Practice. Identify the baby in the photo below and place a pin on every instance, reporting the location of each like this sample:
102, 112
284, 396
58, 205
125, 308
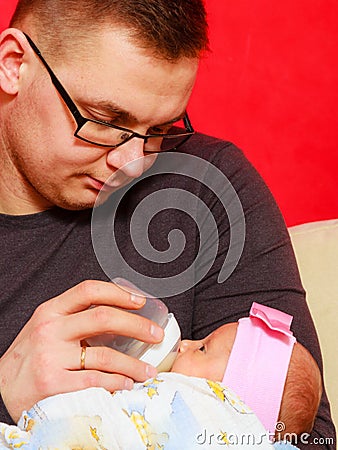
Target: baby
192, 407
248, 357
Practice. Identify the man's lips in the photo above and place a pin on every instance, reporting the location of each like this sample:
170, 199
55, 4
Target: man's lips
111, 185
98, 184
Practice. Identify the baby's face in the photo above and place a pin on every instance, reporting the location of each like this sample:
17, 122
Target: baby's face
208, 357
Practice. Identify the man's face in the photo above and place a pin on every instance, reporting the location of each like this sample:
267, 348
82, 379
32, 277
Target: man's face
208, 357
118, 83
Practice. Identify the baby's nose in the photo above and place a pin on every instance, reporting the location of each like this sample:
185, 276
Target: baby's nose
184, 345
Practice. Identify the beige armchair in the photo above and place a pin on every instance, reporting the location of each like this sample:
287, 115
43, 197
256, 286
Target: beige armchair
316, 248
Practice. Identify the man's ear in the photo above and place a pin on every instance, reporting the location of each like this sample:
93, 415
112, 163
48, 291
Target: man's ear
13, 47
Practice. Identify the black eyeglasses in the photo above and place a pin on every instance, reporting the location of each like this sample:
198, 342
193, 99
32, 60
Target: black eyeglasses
105, 134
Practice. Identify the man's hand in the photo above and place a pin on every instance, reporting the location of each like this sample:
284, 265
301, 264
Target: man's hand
45, 358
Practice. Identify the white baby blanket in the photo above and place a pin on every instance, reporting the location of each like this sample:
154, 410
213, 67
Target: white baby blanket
169, 412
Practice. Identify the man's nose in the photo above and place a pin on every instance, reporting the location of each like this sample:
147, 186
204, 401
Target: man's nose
129, 158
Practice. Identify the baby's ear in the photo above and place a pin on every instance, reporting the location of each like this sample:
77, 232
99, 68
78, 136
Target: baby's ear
13, 48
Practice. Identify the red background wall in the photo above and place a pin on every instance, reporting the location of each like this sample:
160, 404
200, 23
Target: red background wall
270, 86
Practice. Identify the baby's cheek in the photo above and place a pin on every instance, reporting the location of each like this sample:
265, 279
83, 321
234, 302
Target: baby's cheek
215, 369
184, 365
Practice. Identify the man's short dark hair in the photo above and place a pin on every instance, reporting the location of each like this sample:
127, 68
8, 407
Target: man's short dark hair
169, 29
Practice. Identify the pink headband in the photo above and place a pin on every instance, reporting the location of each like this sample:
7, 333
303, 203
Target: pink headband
259, 361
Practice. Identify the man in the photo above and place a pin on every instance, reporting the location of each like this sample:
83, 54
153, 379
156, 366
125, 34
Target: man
88, 90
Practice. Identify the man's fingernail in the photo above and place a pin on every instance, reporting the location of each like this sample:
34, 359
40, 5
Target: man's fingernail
128, 384
151, 371
137, 299
156, 332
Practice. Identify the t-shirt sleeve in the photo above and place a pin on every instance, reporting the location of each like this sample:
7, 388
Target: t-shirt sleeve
266, 271
4, 415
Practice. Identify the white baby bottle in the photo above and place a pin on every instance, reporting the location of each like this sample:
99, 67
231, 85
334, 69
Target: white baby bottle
160, 355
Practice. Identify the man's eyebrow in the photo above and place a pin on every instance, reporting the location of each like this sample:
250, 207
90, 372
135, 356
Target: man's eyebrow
125, 115
112, 108
176, 119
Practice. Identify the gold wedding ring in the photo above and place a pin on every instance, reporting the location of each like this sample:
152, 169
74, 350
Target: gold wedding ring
83, 357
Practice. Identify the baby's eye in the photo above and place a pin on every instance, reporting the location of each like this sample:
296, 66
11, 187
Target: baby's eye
202, 349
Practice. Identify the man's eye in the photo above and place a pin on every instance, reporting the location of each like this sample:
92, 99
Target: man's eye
202, 349
159, 130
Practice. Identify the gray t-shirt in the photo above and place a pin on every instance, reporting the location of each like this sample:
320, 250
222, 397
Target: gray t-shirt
44, 254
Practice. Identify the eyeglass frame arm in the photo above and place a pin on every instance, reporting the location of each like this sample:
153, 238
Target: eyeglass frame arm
81, 121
